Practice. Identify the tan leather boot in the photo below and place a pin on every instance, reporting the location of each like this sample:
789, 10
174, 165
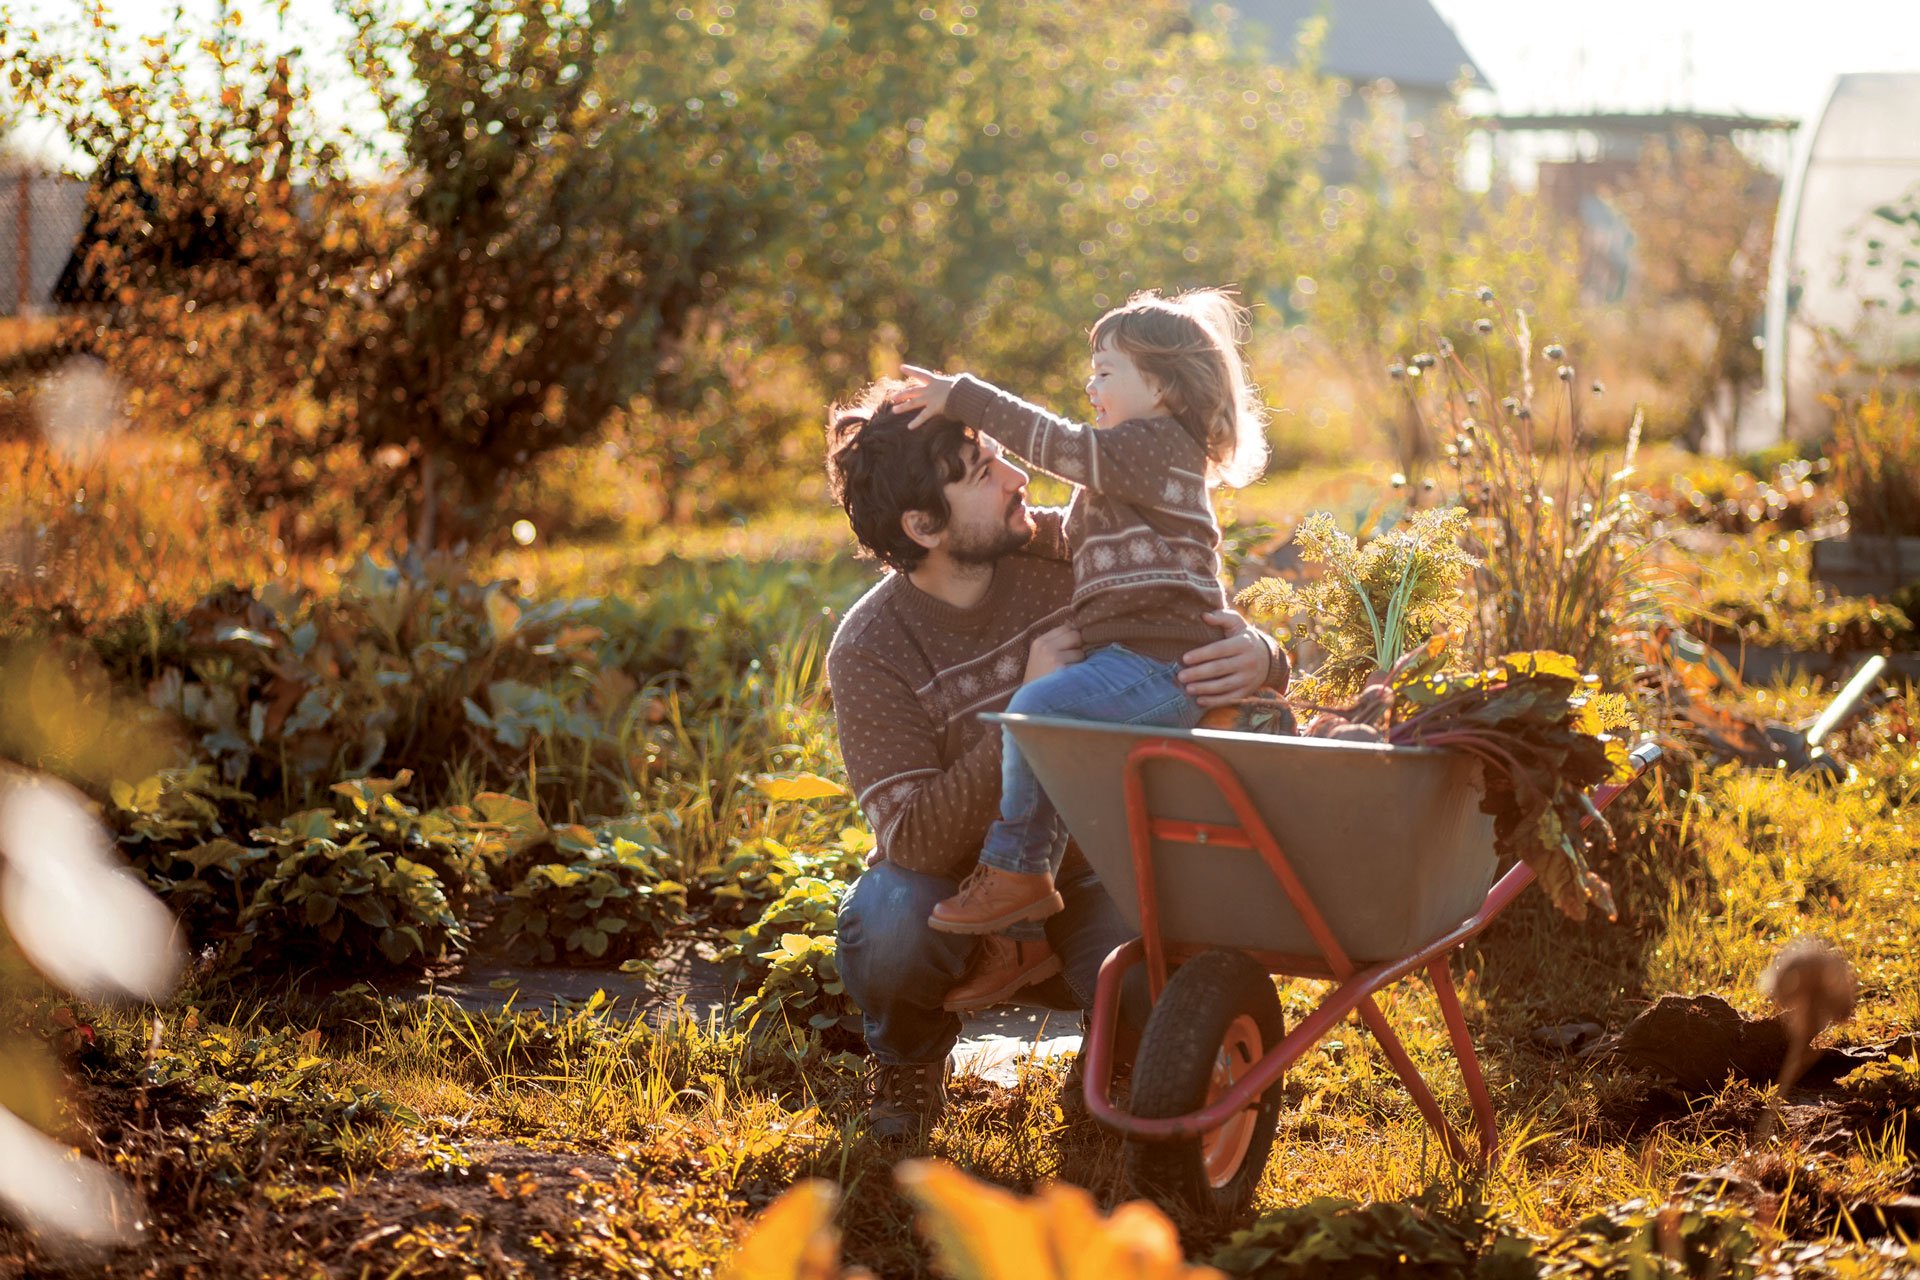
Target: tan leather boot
1000, 968
991, 899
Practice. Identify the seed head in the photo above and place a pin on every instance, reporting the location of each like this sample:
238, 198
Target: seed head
1599, 387
1485, 294
1423, 361
1566, 373
1483, 325
1396, 371
1554, 351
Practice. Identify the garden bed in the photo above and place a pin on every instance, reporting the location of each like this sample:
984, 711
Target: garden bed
1860, 565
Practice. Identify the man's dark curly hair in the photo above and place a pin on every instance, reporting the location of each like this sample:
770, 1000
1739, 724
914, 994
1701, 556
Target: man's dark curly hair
879, 470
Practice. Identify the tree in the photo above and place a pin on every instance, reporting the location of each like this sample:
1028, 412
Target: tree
1399, 258
986, 187
200, 275
601, 207
579, 188
1702, 219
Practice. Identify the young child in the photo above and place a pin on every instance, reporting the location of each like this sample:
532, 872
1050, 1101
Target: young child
1175, 413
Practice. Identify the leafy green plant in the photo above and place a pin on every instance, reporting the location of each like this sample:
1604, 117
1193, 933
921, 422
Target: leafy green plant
1895, 249
756, 874
1342, 1240
1372, 602
609, 902
336, 898
788, 960
457, 850
803, 991
178, 829
175, 807
1542, 732
1692, 1237
283, 689
266, 1086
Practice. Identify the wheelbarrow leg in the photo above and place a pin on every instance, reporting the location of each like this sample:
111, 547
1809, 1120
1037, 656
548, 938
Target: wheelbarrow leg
1410, 1076
1476, 1082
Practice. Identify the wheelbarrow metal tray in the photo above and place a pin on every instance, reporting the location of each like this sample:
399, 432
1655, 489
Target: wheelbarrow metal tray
1389, 842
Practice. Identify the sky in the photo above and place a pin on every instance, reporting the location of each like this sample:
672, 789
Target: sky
1758, 57
1753, 57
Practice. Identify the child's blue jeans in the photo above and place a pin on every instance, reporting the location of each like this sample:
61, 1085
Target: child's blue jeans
1113, 685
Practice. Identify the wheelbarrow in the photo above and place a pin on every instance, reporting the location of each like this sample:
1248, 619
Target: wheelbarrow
1242, 856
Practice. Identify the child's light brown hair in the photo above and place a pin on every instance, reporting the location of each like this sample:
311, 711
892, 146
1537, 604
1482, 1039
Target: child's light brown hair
1188, 345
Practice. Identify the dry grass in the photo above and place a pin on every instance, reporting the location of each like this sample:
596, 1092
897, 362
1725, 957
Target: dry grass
428, 1142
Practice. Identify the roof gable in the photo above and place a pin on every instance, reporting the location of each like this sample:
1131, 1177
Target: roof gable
1405, 41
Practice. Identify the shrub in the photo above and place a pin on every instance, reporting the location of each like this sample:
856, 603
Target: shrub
1558, 534
760, 871
788, 959
457, 851
1691, 1236
609, 902
283, 690
1336, 1238
1876, 461
178, 829
335, 898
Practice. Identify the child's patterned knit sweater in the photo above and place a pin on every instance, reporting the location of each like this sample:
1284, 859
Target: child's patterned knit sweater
1146, 547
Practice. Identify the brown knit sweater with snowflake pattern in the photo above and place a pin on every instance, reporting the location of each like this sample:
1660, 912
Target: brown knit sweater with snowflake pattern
910, 676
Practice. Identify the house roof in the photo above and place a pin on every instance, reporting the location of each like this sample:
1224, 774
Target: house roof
1405, 41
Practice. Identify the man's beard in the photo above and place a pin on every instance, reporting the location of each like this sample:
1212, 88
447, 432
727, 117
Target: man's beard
987, 546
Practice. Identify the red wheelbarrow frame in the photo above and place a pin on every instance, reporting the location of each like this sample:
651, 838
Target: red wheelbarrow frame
1356, 986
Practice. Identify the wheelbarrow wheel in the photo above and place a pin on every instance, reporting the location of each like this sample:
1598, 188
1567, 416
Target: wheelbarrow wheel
1217, 1017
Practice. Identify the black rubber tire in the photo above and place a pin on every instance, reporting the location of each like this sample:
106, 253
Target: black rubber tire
1174, 1070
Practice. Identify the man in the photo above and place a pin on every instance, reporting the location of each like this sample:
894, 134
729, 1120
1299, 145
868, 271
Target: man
975, 606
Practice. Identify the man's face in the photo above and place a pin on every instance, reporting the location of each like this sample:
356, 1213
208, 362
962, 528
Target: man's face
988, 506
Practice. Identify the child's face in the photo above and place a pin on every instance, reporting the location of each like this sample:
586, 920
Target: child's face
1118, 390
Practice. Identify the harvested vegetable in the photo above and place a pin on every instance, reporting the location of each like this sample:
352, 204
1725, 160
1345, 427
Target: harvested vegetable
1545, 735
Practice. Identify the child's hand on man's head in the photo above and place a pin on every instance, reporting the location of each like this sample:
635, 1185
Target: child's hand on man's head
926, 391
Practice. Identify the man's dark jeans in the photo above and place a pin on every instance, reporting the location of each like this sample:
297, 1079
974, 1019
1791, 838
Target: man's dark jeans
897, 970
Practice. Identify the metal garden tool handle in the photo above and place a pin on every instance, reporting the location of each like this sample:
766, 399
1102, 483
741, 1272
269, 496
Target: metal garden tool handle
1848, 698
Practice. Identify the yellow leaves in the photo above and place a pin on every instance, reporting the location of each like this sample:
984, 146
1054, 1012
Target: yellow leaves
793, 1238
1605, 713
982, 1232
508, 811
797, 786
522, 1187
503, 615
978, 1232
1542, 662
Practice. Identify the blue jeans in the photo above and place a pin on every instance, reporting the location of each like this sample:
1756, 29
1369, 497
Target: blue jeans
897, 970
1113, 685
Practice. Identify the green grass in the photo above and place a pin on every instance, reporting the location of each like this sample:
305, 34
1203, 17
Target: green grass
422, 1100
299, 1134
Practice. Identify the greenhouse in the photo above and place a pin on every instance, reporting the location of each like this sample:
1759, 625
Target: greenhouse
1843, 287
